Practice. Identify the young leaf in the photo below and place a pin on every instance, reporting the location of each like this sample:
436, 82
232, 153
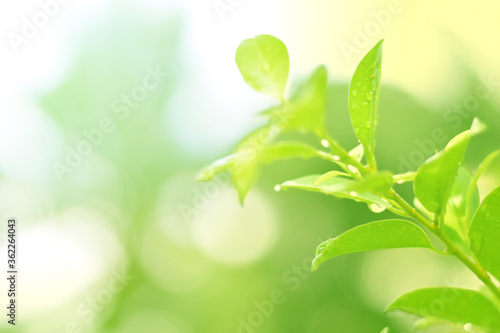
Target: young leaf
386, 234
287, 150
328, 175
378, 183
338, 187
357, 153
455, 217
245, 163
435, 178
363, 100
453, 304
305, 110
264, 64
472, 193
254, 151
484, 233
385, 330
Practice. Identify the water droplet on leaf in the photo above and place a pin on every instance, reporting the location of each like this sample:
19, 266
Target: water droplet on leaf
352, 168
325, 143
377, 208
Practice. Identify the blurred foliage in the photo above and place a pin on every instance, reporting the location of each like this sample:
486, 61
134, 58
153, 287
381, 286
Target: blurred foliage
130, 168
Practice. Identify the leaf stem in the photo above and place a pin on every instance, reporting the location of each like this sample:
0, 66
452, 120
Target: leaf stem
451, 248
344, 156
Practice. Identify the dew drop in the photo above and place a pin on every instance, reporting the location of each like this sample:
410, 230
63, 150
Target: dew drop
354, 92
353, 194
377, 208
325, 143
369, 96
336, 158
277, 188
468, 327
374, 64
352, 168
358, 83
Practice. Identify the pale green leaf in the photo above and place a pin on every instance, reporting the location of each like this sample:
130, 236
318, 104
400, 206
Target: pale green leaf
304, 112
264, 64
287, 150
363, 100
378, 183
484, 233
452, 304
386, 234
385, 330
357, 153
328, 175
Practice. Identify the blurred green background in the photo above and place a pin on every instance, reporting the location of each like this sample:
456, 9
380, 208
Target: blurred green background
111, 108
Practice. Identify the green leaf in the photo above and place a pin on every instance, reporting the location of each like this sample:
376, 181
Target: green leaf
456, 224
385, 330
435, 178
472, 192
453, 304
330, 174
305, 111
245, 163
256, 150
378, 183
484, 233
264, 64
287, 150
363, 100
386, 234
338, 187
357, 153
209, 172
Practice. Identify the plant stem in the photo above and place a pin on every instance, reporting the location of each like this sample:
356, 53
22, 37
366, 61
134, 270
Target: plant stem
451, 248
344, 156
